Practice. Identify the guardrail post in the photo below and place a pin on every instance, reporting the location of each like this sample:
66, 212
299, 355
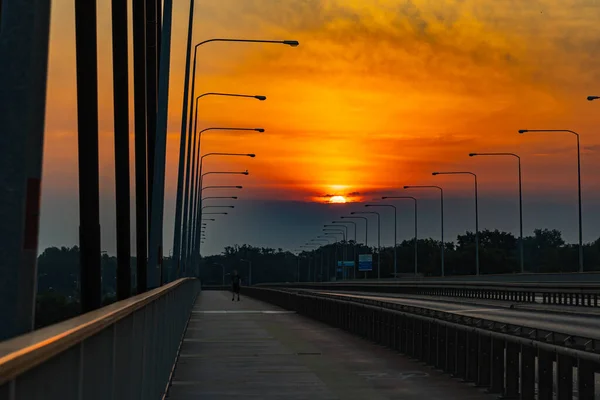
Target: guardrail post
450, 366
564, 383
472, 356
545, 374
527, 373
410, 336
403, 334
418, 342
586, 379
497, 366
461, 354
512, 370
485, 360
432, 351
441, 347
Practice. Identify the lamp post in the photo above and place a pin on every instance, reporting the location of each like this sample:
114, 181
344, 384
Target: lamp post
415, 200
191, 189
353, 246
321, 250
185, 162
344, 245
311, 247
335, 244
366, 227
378, 238
476, 212
221, 187
186, 95
521, 256
395, 232
521, 131
441, 213
196, 214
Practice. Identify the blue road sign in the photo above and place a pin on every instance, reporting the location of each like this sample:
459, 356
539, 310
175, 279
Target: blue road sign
345, 264
365, 262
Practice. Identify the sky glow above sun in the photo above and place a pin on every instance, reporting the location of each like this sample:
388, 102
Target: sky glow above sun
378, 94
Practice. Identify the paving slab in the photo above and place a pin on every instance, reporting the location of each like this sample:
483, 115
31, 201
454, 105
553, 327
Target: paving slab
254, 350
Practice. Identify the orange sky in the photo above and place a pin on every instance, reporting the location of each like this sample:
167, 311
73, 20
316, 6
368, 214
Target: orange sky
379, 94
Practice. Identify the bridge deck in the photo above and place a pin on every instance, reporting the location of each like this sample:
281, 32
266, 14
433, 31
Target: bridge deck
250, 349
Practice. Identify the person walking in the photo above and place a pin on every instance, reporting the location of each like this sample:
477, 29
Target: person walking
236, 281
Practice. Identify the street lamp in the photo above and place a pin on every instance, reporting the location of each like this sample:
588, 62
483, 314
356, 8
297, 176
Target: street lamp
441, 214
190, 194
221, 187
521, 131
520, 201
187, 162
476, 212
395, 232
220, 197
366, 227
415, 200
378, 238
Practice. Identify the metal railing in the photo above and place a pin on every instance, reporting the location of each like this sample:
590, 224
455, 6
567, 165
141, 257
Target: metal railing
574, 294
126, 350
514, 366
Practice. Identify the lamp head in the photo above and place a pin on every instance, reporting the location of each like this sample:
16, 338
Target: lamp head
591, 98
251, 155
224, 213
384, 197
522, 131
239, 187
367, 205
261, 98
473, 154
234, 197
230, 206
435, 173
352, 213
292, 43
261, 130
406, 187
245, 172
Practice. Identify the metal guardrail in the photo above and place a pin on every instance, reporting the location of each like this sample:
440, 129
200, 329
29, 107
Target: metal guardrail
507, 364
574, 294
126, 350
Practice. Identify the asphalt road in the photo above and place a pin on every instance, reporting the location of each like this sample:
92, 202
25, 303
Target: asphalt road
587, 326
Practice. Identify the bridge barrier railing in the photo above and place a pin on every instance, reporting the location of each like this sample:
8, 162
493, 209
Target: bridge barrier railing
126, 350
575, 294
510, 364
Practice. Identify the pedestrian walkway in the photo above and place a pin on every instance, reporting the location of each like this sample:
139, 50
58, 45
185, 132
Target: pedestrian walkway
253, 350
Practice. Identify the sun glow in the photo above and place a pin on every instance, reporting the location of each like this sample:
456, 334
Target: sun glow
337, 199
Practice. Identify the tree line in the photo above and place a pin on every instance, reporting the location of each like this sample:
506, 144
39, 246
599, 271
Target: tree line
544, 251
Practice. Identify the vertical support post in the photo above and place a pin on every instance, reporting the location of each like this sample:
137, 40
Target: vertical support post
87, 141
527, 373
450, 350
512, 370
121, 122
545, 374
484, 362
24, 37
461, 354
586, 379
151, 94
158, 192
564, 384
472, 357
497, 366
139, 94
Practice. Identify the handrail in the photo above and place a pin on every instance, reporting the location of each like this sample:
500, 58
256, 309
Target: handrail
28, 351
449, 284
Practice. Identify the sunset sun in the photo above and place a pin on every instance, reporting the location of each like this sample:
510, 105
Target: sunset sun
337, 199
